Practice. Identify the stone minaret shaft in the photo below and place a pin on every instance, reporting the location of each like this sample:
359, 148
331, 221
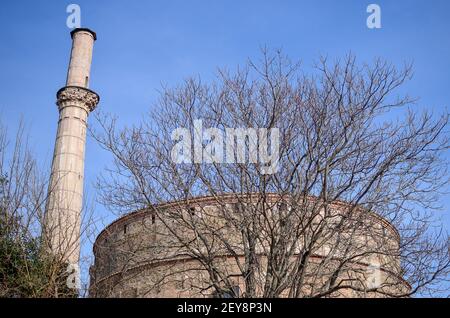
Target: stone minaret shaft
75, 101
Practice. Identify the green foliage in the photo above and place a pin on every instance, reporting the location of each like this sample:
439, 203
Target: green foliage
25, 269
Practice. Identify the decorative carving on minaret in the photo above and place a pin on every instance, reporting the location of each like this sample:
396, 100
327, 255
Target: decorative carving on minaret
70, 94
75, 101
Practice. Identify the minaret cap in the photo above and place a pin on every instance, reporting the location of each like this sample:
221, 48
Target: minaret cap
85, 30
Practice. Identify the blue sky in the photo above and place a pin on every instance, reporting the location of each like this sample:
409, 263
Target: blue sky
143, 44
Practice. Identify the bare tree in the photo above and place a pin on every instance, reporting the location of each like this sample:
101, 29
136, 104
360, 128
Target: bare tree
353, 186
27, 268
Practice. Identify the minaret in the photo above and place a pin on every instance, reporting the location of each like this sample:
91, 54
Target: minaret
75, 101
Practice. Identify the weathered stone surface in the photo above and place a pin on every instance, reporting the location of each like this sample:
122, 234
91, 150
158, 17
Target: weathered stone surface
75, 102
136, 256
